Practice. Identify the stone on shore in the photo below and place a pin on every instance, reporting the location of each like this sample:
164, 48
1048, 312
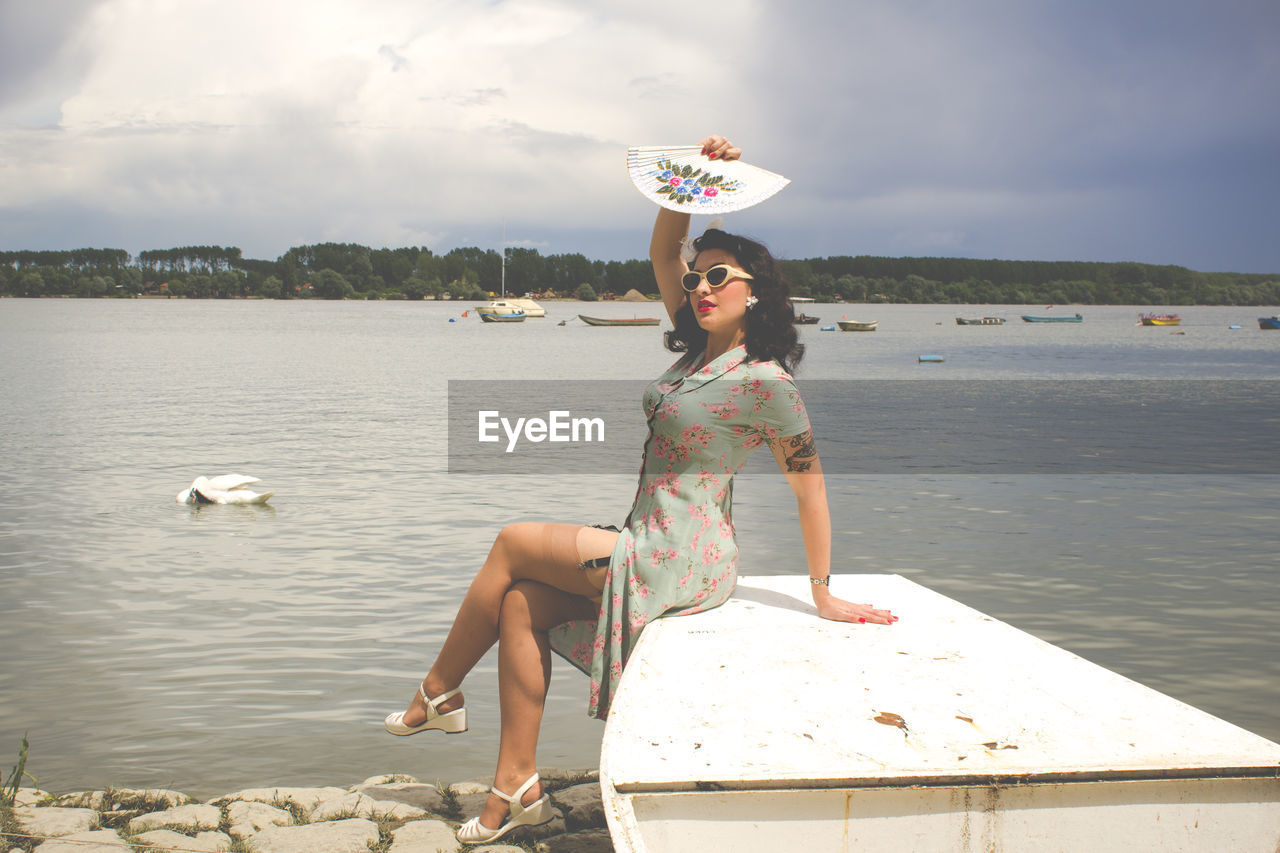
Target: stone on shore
53, 821
353, 835
247, 817
583, 806
343, 820
304, 798
424, 836
471, 786
385, 779
99, 841
192, 816
558, 776
154, 797
359, 805
204, 842
30, 797
417, 794
583, 841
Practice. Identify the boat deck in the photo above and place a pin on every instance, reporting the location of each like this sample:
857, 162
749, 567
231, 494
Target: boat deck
757, 726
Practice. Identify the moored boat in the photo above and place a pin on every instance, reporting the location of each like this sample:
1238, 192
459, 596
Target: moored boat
1269, 322
945, 728
803, 319
527, 307
1032, 318
625, 321
501, 315
1159, 319
979, 321
857, 325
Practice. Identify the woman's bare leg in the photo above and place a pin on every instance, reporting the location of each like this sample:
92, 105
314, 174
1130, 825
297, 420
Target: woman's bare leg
546, 553
529, 610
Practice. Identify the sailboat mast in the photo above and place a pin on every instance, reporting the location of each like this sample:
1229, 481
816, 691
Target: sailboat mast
504, 259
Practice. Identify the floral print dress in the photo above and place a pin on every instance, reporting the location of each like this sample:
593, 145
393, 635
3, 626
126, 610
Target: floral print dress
676, 553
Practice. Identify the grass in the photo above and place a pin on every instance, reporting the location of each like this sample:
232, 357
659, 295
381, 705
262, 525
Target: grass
452, 808
9, 793
119, 807
8, 825
301, 817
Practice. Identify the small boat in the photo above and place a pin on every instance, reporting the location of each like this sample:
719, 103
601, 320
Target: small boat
1269, 322
857, 326
1159, 319
803, 319
979, 321
630, 321
504, 310
1032, 318
930, 359
504, 315
507, 305
950, 730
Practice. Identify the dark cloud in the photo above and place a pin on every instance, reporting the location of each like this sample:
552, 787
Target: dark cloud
1155, 111
37, 62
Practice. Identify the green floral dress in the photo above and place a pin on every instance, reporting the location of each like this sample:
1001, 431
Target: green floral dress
676, 553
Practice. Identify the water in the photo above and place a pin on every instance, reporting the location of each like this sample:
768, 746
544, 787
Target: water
150, 643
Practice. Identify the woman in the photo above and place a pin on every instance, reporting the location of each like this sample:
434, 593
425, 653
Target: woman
587, 592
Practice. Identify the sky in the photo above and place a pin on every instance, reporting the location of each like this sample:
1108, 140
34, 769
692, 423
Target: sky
1094, 130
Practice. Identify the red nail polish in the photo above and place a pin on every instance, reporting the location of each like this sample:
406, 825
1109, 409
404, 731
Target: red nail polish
861, 619
714, 156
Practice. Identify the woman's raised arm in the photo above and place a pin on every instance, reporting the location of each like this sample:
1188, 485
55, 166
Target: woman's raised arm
670, 230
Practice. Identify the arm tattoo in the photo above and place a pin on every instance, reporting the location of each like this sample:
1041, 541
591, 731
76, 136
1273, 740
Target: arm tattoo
800, 452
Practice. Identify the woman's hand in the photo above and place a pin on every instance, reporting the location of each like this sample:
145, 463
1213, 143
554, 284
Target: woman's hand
719, 148
839, 610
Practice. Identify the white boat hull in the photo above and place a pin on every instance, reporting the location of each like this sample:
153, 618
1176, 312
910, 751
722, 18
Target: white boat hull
757, 726
512, 306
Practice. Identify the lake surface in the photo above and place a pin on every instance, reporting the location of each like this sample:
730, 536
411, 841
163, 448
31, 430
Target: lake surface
151, 643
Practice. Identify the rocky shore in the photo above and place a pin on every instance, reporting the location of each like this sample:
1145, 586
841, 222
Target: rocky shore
384, 814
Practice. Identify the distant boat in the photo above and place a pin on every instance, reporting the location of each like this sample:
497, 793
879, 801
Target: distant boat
1031, 318
857, 326
632, 321
502, 309
930, 359
803, 319
1159, 319
501, 315
979, 321
508, 305
512, 306
826, 328
1269, 322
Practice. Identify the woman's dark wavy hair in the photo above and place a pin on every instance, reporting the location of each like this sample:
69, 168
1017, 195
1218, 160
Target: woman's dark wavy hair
771, 331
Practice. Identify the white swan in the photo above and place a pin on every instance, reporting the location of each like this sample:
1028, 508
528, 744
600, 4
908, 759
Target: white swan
227, 489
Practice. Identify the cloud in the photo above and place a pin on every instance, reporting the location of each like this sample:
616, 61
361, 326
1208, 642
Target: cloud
1000, 129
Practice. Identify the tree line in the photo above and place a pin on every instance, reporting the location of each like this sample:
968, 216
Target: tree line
353, 271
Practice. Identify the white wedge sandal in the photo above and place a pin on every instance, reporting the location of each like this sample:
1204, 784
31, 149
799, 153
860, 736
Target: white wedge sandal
451, 722
534, 814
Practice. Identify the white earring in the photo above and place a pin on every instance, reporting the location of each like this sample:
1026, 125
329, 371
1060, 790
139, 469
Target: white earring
751, 301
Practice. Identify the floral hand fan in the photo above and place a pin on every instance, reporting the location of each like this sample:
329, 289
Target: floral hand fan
682, 178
